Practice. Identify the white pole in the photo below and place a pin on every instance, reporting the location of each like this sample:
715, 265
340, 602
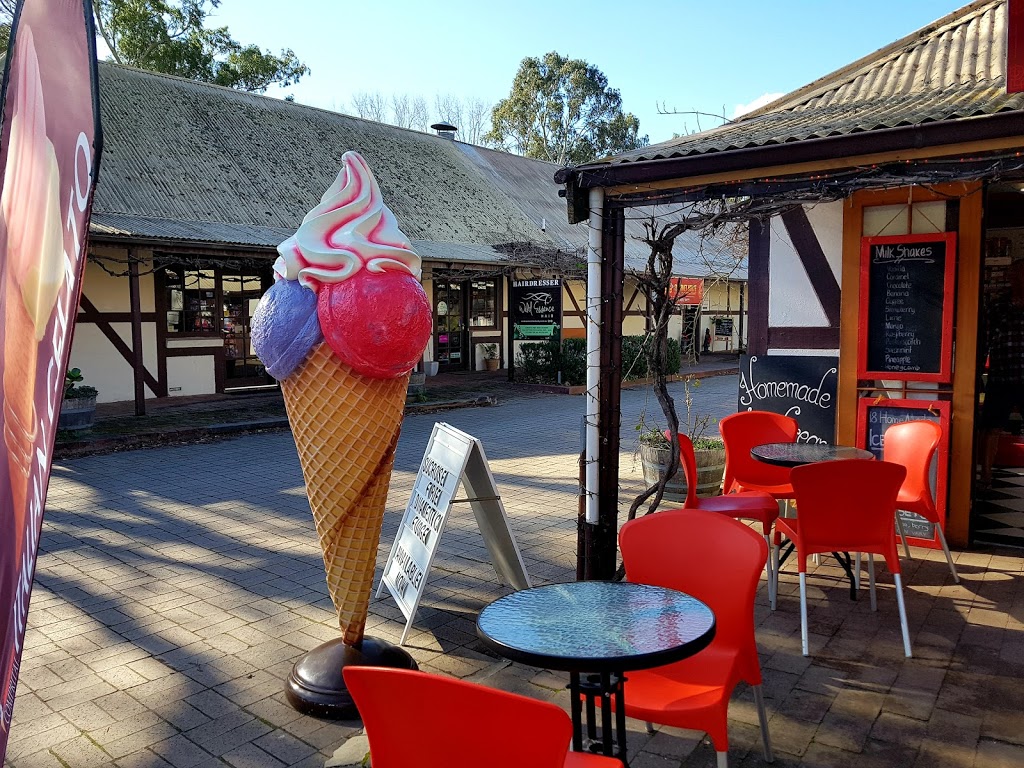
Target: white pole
593, 347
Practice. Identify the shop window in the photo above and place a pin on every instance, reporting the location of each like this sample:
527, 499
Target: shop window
483, 304
191, 301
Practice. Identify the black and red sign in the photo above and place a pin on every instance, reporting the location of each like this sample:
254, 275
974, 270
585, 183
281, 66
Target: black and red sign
906, 307
49, 158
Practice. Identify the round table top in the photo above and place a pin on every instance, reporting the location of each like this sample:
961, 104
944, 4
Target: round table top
797, 454
596, 626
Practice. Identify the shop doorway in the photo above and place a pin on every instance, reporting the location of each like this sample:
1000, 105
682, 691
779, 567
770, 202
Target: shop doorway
450, 332
998, 510
240, 293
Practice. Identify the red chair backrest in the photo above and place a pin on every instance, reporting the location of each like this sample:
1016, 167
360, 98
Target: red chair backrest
710, 556
741, 432
913, 444
453, 723
849, 506
688, 463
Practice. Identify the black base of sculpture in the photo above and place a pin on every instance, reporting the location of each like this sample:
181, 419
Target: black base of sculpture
316, 686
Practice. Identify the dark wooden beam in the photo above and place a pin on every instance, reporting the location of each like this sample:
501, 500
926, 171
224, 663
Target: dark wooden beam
601, 545
823, 281
757, 280
112, 336
138, 365
803, 337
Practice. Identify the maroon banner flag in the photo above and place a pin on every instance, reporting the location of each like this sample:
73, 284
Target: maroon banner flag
49, 158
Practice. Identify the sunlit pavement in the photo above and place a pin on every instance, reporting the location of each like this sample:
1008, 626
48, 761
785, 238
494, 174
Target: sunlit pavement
177, 586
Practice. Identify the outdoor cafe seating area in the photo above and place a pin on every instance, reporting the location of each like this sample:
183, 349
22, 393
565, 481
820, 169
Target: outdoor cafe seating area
670, 643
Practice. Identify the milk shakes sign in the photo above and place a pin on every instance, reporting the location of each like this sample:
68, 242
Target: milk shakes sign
49, 155
536, 309
803, 388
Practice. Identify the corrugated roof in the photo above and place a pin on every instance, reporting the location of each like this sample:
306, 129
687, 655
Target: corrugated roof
189, 162
952, 69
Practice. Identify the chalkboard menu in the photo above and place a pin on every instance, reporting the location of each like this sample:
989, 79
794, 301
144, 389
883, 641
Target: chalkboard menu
802, 387
906, 319
536, 309
723, 326
874, 417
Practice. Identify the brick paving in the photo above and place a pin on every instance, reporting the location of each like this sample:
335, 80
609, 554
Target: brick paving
176, 587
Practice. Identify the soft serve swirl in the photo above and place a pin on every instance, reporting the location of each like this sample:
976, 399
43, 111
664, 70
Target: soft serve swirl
351, 229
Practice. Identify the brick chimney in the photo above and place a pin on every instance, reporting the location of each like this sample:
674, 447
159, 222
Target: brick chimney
1015, 46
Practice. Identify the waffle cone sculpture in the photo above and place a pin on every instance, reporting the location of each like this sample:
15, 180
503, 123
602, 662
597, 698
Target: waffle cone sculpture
341, 328
346, 462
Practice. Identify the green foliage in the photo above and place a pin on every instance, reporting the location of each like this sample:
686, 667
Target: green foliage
675, 356
72, 388
562, 110
537, 362
574, 362
170, 36
490, 351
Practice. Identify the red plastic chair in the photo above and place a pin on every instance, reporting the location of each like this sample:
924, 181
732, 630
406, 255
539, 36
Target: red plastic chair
846, 506
468, 725
741, 432
744, 505
913, 444
717, 560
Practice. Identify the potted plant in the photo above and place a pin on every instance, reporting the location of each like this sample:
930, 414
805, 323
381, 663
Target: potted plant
78, 408
655, 451
490, 356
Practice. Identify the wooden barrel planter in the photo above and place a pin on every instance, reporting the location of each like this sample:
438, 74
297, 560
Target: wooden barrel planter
77, 413
710, 469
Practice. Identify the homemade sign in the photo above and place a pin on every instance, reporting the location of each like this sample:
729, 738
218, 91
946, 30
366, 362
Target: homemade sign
451, 456
536, 309
723, 326
874, 417
802, 387
50, 155
906, 307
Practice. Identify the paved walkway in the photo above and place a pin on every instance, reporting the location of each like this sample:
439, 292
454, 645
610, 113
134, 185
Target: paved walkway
176, 586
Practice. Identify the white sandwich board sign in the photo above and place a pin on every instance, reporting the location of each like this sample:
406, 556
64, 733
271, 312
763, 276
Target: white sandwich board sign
452, 456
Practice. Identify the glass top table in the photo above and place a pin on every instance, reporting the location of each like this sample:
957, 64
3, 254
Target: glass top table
606, 628
798, 454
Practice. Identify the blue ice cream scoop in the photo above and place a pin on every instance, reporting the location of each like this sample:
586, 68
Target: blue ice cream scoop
285, 327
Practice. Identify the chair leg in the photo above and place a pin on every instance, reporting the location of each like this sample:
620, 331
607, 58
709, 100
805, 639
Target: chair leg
775, 574
768, 563
762, 716
871, 581
650, 727
949, 557
856, 573
903, 535
803, 614
723, 759
904, 627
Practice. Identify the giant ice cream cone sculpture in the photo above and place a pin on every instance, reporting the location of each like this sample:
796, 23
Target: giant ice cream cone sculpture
343, 325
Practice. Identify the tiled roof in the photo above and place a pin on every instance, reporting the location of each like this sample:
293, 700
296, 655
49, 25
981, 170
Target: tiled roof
952, 69
188, 162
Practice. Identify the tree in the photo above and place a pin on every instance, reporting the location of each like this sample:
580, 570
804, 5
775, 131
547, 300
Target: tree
563, 111
170, 36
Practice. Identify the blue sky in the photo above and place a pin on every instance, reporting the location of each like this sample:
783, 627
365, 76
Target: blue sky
708, 56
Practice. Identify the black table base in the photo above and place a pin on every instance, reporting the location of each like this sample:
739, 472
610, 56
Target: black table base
844, 559
603, 686
316, 685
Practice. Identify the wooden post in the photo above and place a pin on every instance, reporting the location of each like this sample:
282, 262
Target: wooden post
602, 539
136, 305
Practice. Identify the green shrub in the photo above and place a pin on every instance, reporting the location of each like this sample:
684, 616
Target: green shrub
574, 362
537, 362
634, 360
675, 356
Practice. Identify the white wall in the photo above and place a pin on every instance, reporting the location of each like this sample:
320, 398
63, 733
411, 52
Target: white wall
791, 298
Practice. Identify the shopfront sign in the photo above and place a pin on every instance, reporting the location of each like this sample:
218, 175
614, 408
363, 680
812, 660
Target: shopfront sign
536, 307
906, 307
49, 157
452, 458
802, 387
686, 290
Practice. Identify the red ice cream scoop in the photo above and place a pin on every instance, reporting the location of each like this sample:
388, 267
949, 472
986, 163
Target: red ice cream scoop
376, 322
